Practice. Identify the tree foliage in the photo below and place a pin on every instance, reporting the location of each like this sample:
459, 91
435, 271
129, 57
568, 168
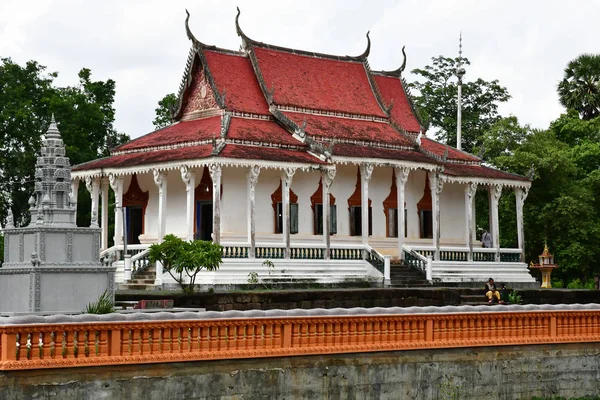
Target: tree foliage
579, 90
436, 100
563, 206
165, 111
28, 97
184, 260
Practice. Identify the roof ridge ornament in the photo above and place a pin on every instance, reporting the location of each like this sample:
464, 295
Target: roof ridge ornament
365, 53
188, 31
398, 72
245, 39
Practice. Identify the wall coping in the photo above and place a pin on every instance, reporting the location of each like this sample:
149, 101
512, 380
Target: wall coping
316, 312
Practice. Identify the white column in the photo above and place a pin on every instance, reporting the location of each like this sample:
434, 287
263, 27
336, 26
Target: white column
189, 179
253, 173
474, 220
93, 186
160, 180
327, 178
520, 196
215, 174
470, 190
437, 185
104, 212
495, 194
401, 178
286, 180
116, 184
366, 170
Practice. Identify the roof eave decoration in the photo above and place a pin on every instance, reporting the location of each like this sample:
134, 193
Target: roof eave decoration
365, 54
197, 50
397, 72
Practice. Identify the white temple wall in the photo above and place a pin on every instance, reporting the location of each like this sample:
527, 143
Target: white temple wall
304, 184
234, 210
379, 190
413, 192
342, 188
268, 181
452, 210
176, 205
234, 200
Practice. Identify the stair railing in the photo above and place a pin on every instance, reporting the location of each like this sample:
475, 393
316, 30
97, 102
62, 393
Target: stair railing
414, 259
140, 261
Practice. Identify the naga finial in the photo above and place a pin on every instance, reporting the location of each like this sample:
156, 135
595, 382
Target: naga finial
190, 35
404, 61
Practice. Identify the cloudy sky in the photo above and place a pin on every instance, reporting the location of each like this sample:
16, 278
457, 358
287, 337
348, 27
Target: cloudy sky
142, 44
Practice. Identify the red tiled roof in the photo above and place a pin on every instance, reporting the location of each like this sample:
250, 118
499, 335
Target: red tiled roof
480, 171
317, 83
235, 78
260, 131
150, 157
439, 149
352, 150
344, 128
267, 153
391, 90
187, 131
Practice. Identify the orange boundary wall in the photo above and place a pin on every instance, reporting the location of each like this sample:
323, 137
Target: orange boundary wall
36, 346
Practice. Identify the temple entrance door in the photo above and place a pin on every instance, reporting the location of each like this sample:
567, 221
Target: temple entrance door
134, 215
204, 220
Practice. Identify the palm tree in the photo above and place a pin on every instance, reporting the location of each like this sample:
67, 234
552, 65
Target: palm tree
580, 88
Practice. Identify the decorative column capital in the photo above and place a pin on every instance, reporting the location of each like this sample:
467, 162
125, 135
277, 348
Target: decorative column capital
186, 176
88, 183
215, 172
287, 175
328, 175
114, 181
522, 194
439, 185
471, 189
159, 178
253, 173
497, 191
366, 170
402, 174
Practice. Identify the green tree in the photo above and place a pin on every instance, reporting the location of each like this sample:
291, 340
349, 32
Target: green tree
580, 88
26, 93
165, 111
436, 100
184, 260
563, 206
28, 97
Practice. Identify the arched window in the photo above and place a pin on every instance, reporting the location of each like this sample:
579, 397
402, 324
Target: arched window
277, 200
390, 209
316, 201
425, 214
355, 208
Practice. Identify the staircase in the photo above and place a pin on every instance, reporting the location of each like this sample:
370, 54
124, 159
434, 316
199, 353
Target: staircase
142, 280
403, 275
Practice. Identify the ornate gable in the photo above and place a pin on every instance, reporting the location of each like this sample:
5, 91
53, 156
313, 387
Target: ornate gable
200, 96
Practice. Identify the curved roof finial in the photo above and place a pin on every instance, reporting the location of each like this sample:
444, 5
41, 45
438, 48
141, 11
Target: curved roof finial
190, 35
365, 54
404, 61
237, 25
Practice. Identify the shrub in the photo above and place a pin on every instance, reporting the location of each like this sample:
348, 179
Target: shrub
179, 257
104, 305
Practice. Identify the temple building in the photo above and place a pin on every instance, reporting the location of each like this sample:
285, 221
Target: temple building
314, 161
